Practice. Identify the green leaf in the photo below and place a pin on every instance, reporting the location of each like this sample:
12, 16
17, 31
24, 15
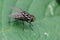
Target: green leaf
46, 25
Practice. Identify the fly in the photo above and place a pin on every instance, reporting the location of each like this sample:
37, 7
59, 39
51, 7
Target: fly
22, 15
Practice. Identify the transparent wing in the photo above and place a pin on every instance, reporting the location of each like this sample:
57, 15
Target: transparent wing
16, 8
16, 15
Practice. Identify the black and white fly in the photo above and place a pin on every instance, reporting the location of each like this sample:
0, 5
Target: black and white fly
22, 15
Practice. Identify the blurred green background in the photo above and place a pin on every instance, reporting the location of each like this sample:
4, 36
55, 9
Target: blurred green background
45, 27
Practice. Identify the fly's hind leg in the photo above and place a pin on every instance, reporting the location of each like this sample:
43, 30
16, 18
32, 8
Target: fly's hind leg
13, 21
23, 25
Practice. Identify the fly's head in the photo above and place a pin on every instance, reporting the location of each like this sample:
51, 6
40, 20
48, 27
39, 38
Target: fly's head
31, 18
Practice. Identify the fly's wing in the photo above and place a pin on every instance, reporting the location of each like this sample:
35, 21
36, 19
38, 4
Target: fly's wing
17, 16
17, 9
20, 13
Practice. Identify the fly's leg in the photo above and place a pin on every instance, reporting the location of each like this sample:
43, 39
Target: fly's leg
23, 25
30, 25
13, 21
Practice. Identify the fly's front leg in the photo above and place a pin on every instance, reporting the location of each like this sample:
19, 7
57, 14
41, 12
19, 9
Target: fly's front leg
30, 25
